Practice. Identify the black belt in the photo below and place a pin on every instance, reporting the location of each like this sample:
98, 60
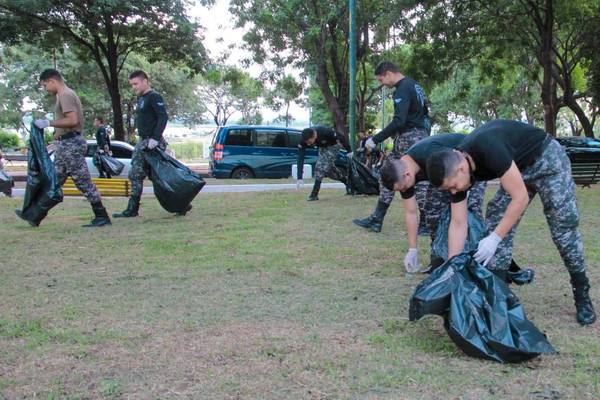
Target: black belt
68, 135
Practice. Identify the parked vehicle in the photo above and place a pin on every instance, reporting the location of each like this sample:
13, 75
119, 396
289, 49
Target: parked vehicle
247, 151
122, 151
584, 154
580, 148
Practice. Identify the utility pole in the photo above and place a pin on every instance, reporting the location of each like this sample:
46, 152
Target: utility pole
352, 68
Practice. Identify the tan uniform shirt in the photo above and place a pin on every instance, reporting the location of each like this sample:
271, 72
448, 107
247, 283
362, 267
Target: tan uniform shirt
68, 101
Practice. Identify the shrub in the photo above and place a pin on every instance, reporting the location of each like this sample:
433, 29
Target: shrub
8, 140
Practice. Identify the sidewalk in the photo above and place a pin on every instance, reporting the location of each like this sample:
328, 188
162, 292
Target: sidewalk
259, 187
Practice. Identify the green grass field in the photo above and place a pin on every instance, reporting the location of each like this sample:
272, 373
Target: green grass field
262, 296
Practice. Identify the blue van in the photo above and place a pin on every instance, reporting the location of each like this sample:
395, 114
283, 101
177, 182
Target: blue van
248, 151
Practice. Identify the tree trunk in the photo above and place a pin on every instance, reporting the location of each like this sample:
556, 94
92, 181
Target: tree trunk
549, 99
115, 100
339, 117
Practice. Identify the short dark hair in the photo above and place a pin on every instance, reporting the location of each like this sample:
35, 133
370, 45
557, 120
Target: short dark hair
389, 174
100, 119
138, 74
50, 73
441, 165
307, 134
384, 67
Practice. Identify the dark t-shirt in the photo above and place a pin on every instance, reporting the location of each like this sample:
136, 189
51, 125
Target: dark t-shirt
102, 139
496, 144
151, 118
421, 150
325, 137
410, 110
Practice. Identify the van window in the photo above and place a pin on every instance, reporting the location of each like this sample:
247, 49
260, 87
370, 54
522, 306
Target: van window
294, 139
239, 137
270, 138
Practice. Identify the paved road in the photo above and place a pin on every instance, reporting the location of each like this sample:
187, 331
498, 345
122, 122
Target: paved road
234, 188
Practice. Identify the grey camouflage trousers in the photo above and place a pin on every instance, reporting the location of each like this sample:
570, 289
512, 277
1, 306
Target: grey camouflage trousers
325, 166
550, 177
69, 160
438, 200
139, 168
401, 144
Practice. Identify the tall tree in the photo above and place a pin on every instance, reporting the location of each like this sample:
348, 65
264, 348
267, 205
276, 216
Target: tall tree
312, 36
550, 30
226, 90
286, 91
107, 32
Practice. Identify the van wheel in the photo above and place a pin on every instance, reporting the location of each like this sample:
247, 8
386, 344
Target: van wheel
242, 173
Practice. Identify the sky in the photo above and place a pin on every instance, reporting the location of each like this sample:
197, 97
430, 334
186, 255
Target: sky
219, 33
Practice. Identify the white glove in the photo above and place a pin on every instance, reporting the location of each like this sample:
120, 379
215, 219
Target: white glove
299, 184
487, 248
42, 123
101, 151
152, 143
411, 261
349, 154
370, 143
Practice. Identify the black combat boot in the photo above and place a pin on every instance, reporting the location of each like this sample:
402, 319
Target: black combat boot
100, 216
378, 216
101, 174
132, 209
314, 195
367, 222
583, 303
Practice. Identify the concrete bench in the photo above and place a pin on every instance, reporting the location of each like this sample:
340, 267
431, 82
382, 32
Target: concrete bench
108, 187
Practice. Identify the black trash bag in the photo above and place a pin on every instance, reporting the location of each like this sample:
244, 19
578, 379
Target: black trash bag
477, 231
432, 295
483, 316
6, 183
43, 190
360, 178
110, 164
175, 185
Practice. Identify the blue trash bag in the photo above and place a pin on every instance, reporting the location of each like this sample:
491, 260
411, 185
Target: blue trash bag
43, 190
482, 316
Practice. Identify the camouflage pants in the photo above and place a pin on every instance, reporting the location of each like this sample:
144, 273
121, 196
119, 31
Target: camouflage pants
550, 177
69, 160
438, 200
325, 166
138, 170
401, 144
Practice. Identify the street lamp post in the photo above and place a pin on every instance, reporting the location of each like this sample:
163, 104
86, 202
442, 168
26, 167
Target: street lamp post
352, 68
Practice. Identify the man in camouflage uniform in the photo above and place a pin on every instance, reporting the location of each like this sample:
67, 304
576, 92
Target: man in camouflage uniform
151, 120
528, 162
409, 125
102, 147
404, 174
69, 157
329, 143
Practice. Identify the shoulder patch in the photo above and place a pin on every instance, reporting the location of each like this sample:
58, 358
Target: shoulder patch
398, 100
